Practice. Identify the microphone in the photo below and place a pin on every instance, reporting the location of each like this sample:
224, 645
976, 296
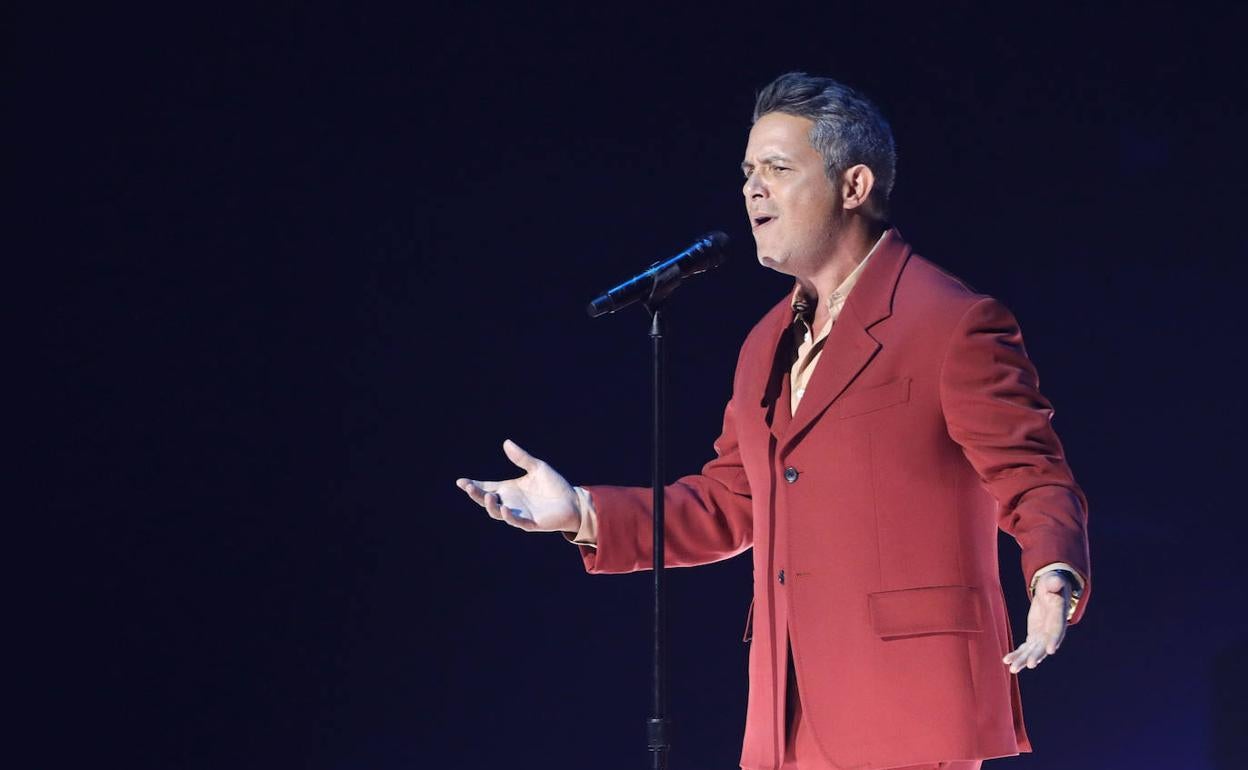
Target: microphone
662, 278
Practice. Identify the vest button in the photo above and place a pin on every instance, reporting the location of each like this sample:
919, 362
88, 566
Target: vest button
780, 577
790, 474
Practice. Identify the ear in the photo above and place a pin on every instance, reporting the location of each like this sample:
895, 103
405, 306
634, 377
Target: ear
856, 185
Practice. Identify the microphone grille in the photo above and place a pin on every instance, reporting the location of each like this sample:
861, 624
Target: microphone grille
713, 245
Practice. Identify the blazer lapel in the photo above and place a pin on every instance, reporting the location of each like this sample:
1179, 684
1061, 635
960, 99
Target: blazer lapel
767, 390
850, 346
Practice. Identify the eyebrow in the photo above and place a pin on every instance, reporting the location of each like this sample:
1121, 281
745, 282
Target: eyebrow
766, 160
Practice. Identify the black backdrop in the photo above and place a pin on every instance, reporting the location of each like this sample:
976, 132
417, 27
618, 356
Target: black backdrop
297, 267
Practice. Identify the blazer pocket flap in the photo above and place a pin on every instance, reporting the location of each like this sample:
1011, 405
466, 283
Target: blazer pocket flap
871, 399
928, 610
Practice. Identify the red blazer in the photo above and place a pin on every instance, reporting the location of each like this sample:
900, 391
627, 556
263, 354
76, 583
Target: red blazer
920, 433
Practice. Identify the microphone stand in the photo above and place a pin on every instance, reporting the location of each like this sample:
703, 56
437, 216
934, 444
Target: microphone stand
657, 283
657, 727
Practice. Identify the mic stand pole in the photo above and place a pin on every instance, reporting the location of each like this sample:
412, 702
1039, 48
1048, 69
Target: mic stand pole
663, 278
658, 725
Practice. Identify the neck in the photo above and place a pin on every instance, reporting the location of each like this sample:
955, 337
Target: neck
850, 249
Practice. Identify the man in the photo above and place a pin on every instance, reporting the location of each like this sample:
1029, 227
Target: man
885, 420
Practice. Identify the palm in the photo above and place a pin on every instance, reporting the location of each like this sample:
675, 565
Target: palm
539, 501
1047, 615
541, 495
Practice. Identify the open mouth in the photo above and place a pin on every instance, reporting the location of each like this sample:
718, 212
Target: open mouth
761, 220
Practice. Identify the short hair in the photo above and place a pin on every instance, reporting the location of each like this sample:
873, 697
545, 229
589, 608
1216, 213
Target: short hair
848, 128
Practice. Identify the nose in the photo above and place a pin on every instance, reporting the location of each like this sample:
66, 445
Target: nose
753, 187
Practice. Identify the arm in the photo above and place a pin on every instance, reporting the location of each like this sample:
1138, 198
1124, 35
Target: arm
708, 516
993, 408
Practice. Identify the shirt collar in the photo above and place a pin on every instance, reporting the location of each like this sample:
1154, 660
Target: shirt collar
801, 302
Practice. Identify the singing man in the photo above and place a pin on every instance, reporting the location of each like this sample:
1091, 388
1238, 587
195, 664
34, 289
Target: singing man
885, 421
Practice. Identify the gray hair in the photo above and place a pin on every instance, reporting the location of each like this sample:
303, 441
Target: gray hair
848, 128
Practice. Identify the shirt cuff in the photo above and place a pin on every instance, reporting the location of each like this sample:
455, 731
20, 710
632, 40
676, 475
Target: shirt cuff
587, 535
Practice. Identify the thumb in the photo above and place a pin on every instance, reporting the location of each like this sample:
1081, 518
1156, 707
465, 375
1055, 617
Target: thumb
521, 458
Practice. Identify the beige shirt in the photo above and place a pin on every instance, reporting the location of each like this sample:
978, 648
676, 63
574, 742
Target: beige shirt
809, 347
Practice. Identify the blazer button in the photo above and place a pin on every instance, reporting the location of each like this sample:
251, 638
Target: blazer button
780, 577
790, 474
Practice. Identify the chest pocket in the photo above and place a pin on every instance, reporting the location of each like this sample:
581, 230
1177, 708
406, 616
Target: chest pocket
874, 399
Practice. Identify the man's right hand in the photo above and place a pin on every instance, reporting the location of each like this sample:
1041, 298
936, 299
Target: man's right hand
539, 501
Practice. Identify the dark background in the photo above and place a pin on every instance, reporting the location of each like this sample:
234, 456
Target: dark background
298, 266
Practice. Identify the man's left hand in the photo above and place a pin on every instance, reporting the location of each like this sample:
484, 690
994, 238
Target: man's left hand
1046, 622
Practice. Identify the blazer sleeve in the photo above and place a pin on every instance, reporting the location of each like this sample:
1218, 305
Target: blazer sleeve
708, 515
993, 408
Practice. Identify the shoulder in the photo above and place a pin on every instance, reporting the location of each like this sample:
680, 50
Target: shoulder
934, 289
929, 294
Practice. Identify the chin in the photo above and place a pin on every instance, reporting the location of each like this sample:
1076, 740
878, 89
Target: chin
772, 263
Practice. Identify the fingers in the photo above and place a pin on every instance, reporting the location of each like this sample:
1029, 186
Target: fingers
484, 493
477, 490
521, 458
1031, 652
513, 516
516, 518
1028, 655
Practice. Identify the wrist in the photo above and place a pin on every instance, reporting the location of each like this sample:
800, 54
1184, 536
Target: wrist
586, 525
1071, 575
1073, 585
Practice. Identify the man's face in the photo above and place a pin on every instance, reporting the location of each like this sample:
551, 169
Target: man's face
794, 208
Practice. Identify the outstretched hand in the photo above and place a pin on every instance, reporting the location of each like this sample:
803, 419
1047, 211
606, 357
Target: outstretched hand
1046, 623
539, 501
